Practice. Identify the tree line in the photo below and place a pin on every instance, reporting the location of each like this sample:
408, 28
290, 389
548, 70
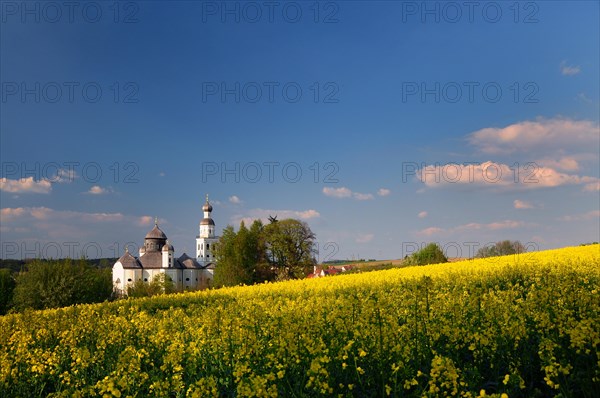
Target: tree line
433, 254
54, 283
279, 250
276, 251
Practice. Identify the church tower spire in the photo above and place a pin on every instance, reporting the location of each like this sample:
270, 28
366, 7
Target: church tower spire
207, 209
206, 237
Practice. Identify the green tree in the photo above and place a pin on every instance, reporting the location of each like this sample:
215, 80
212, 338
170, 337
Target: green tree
95, 285
280, 250
59, 283
138, 289
160, 284
290, 248
239, 255
502, 248
7, 287
263, 269
244, 255
226, 272
430, 254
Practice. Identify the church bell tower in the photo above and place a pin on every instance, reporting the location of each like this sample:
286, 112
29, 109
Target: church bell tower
206, 239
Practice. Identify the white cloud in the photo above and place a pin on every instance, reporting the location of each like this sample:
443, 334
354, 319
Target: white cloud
383, 192
162, 174
264, 214
423, 214
60, 224
342, 192
565, 163
430, 231
73, 232
583, 97
493, 226
541, 135
521, 204
45, 213
25, 185
307, 214
234, 199
364, 238
102, 217
569, 70
590, 215
65, 175
97, 190
40, 213
8, 214
143, 221
499, 175
506, 224
592, 187
362, 196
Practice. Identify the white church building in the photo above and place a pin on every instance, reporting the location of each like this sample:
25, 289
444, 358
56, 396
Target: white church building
157, 256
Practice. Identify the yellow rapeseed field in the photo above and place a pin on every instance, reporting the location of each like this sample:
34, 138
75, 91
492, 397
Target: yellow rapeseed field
523, 325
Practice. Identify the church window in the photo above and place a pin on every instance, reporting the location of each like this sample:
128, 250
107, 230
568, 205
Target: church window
129, 280
145, 279
187, 279
207, 246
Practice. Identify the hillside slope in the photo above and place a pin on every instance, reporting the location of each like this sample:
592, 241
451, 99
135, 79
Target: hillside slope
521, 325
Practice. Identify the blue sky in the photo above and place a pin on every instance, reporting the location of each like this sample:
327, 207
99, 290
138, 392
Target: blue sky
409, 122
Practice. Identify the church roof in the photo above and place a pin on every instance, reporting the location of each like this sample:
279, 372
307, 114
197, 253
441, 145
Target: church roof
156, 233
154, 260
188, 262
207, 206
207, 221
128, 261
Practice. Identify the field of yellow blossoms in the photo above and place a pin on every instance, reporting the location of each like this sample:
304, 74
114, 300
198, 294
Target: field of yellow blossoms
516, 326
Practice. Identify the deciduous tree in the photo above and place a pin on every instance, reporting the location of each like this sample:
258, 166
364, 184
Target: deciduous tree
290, 248
60, 283
430, 254
7, 287
501, 248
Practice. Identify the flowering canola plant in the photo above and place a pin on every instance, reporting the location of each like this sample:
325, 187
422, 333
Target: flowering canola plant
508, 326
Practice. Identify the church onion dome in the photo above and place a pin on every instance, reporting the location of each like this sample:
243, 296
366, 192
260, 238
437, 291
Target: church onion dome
207, 206
168, 247
207, 221
156, 233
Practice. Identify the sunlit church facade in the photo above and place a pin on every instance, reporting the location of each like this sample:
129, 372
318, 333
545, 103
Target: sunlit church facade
157, 256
